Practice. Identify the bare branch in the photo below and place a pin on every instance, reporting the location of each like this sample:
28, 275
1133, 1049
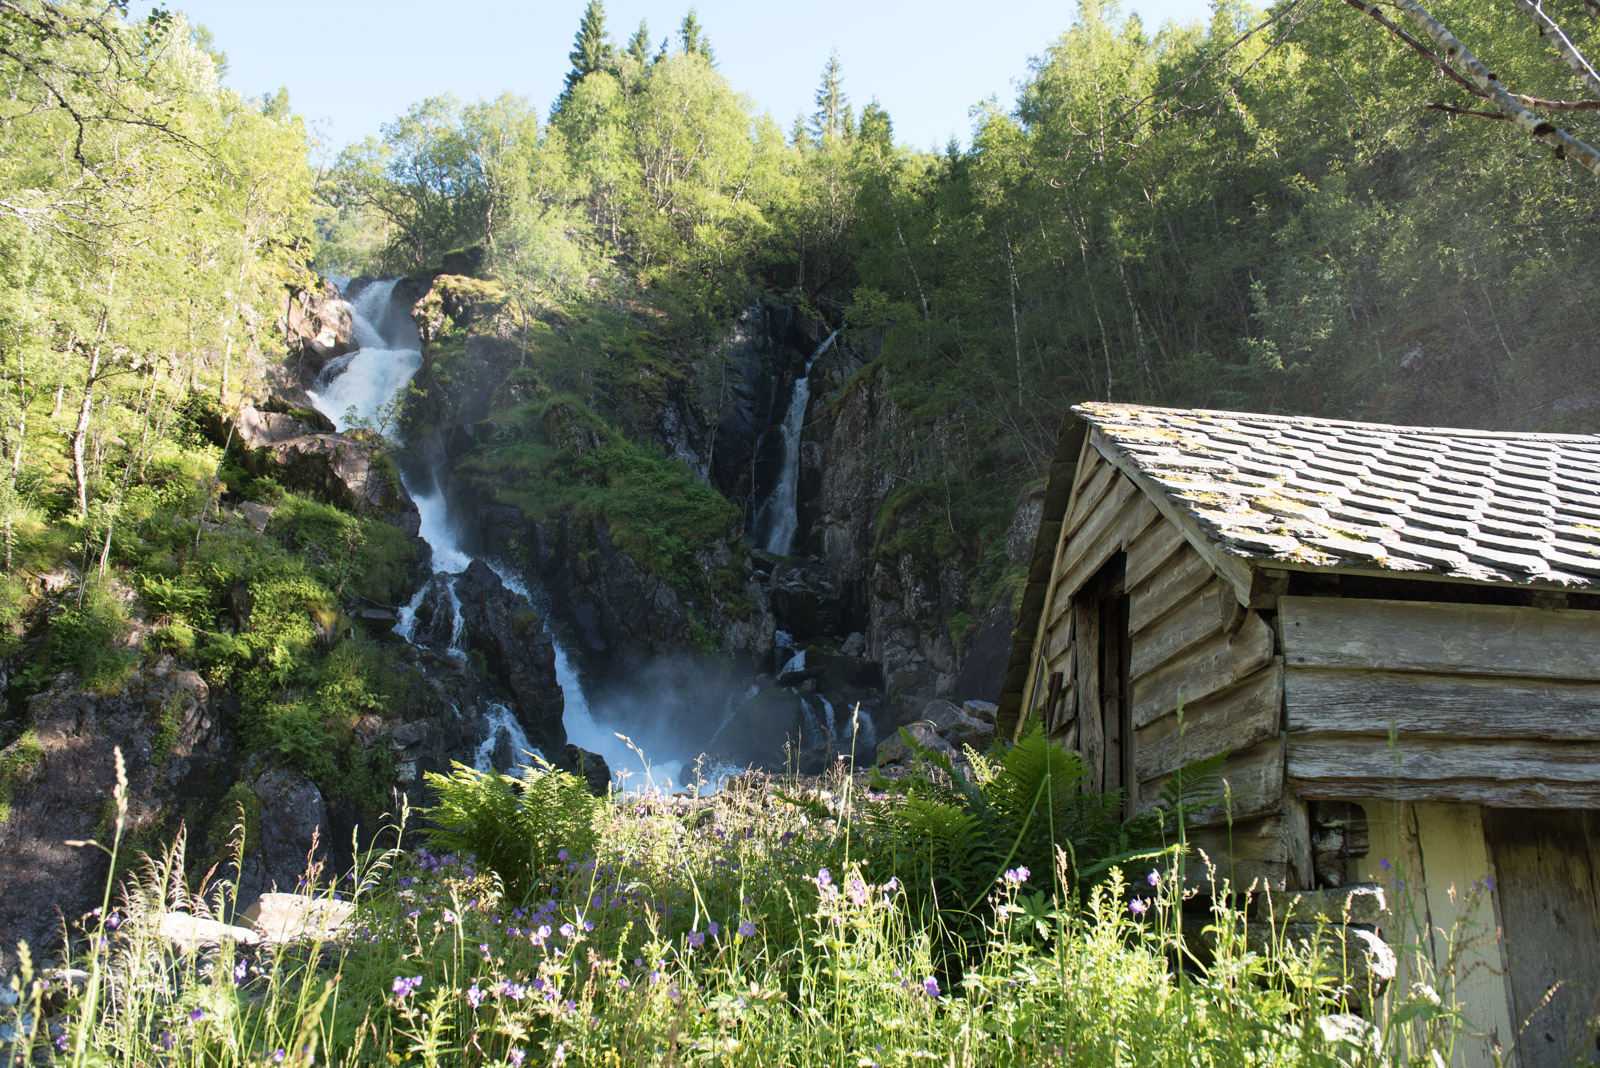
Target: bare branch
1556, 105
1454, 110
1456, 52
1563, 45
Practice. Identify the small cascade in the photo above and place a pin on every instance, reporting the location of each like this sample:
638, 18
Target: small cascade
778, 517
504, 730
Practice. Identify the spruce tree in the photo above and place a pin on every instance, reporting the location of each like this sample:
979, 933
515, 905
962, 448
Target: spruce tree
694, 38
639, 43
591, 49
832, 119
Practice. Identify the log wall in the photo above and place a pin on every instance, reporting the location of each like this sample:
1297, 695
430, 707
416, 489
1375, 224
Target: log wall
1490, 704
1191, 646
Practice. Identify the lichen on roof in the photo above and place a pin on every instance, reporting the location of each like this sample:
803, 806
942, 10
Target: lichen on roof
1471, 504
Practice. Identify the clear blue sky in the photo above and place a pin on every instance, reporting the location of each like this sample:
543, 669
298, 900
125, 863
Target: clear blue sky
351, 66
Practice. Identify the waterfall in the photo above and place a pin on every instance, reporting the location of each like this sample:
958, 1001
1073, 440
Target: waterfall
778, 517
361, 389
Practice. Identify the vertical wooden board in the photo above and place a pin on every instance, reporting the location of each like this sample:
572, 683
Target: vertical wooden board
1184, 573
1152, 549
1059, 637
1196, 618
1545, 879
1297, 842
1219, 661
1087, 626
1394, 862
1455, 859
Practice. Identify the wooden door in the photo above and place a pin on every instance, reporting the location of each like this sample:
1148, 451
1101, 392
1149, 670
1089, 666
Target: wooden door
1545, 863
1104, 649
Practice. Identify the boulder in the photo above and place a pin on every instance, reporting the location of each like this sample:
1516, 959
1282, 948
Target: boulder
1359, 903
804, 602
294, 834
590, 767
896, 751
191, 933
62, 772
297, 917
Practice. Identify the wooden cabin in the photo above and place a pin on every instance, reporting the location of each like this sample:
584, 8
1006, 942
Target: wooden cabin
1394, 634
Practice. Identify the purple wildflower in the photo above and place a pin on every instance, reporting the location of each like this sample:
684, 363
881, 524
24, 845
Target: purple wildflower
403, 987
474, 996
746, 928
166, 1040
1138, 906
567, 930
930, 986
562, 855
715, 928
1153, 878
697, 939
1017, 876
197, 1014
278, 1056
516, 1057
824, 878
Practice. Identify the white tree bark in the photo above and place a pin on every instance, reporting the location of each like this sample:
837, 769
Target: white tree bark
1480, 75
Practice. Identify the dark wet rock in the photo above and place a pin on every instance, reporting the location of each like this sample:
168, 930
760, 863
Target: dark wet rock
502, 625
590, 767
805, 603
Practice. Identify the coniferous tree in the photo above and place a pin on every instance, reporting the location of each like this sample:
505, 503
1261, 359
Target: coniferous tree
639, 43
591, 48
832, 119
694, 38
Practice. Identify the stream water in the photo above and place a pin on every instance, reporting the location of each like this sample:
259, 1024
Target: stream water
363, 389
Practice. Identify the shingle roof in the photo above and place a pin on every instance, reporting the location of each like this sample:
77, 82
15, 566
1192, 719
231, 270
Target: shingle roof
1477, 505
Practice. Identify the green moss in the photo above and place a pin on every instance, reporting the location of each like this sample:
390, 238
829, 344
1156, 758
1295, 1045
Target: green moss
17, 762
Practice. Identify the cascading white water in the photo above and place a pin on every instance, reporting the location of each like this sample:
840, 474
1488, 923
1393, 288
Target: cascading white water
360, 390
779, 514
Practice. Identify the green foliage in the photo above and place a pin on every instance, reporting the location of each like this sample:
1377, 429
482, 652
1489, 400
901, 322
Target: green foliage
569, 461
518, 828
88, 636
17, 761
951, 838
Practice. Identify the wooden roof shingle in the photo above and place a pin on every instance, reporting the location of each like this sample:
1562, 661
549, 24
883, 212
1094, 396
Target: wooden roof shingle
1300, 492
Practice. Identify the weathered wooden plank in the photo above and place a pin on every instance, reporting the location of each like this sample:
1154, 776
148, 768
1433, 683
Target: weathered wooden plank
1219, 661
1094, 480
1430, 636
1185, 573
1105, 522
1230, 720
1251, 852
1151, 550
1254, 779
1089, 555
1468, 706
1237, 572
1543, 873
1454, 856
1196, 619
1515, 774
1091, 741
1066, 710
